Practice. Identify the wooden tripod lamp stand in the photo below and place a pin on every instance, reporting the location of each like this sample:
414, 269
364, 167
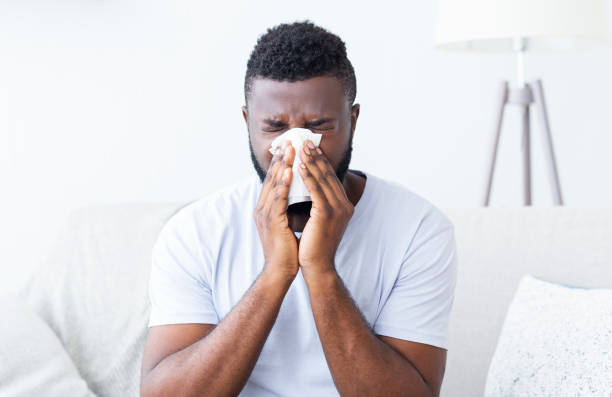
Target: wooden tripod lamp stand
519, 26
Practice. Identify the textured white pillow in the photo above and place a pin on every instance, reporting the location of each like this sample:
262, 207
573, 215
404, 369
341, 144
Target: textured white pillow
92, 291
33, 362
556, 341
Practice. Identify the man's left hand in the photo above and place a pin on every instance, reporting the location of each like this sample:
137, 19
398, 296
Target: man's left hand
330, 213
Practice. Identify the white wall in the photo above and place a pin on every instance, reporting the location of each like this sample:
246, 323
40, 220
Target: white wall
132, 100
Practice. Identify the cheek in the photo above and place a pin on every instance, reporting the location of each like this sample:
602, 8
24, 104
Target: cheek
334, 145
261, 144
332, 150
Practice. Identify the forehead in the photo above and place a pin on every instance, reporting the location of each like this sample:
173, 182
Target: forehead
316, 96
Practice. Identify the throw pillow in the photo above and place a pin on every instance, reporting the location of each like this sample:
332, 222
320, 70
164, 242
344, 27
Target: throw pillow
556, 340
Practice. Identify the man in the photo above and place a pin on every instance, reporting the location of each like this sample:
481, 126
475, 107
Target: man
349, 294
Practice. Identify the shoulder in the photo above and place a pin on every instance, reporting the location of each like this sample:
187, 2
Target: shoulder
424, 233
408, 207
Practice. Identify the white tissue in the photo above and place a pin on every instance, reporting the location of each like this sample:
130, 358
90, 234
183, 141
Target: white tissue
297, 191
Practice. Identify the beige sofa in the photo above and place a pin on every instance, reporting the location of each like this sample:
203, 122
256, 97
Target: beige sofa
92, 289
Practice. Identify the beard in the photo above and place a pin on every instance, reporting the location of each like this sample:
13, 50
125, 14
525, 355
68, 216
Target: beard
303, 208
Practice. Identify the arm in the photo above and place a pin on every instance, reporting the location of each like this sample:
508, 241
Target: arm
202, 359
218, 363
362, 363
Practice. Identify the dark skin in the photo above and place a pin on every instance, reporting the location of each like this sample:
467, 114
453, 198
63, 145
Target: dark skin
207, 359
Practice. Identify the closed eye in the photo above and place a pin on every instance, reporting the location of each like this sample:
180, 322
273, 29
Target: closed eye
323, 129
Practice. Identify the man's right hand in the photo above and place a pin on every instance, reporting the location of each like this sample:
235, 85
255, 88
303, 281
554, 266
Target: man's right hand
278, 240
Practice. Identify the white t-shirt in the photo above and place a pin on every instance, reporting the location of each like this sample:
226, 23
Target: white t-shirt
397, 258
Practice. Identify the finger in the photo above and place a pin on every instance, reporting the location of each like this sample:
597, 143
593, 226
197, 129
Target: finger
280, 198
277, 204
319, 199
277, 180
321, 173
269, 179
326, 168
289, 155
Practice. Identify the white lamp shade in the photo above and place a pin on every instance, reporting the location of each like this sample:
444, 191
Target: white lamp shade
492, 25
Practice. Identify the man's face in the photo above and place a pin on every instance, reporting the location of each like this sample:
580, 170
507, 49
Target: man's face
318, 103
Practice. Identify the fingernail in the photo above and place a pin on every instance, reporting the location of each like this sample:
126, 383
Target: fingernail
306, 149
310, 145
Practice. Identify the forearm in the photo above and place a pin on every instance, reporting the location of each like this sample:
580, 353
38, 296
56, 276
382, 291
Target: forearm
220, 363
360, 363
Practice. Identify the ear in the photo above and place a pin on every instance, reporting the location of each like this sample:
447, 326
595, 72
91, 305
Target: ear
245, 114
354, 116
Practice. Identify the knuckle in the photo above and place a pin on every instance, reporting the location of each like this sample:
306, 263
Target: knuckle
333, 211
343, 212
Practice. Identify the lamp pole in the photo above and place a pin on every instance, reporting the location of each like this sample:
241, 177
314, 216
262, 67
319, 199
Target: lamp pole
524, 94
523, 97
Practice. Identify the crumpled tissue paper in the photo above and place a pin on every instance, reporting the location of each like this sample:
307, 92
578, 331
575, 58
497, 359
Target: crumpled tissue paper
297, 190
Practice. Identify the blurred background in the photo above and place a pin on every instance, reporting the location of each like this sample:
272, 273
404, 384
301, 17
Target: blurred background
132, 101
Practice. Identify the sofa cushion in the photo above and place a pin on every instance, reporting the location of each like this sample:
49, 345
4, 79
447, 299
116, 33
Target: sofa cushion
92, 290
33, 360
555, 341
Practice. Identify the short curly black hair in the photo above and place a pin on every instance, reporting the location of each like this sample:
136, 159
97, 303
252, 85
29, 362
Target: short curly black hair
299, 51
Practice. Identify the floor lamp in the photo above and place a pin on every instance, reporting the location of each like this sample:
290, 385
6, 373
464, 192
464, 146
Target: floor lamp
519, 26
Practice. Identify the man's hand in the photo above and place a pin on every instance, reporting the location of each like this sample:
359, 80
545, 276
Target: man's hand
330, 213
278, 240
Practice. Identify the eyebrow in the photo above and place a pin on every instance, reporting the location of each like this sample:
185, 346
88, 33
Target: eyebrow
278, 123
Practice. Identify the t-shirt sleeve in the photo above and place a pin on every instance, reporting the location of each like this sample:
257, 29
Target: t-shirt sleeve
179, 291
419, 304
